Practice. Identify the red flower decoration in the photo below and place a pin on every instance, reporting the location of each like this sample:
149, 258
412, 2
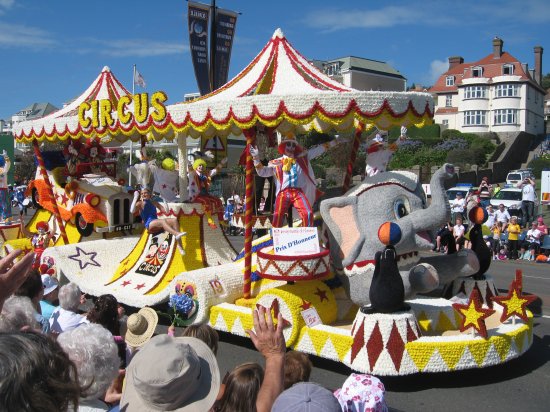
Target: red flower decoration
473, 314
515, 302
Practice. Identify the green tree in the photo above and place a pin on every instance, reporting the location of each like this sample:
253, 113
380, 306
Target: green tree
546, 81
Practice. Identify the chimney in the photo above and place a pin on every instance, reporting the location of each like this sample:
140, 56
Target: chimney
455, 61
538, 64
497, 47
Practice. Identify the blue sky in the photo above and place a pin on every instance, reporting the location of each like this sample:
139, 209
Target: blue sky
52, 50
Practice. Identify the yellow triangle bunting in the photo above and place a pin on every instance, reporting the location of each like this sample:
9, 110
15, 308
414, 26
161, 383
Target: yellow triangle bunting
420, 353
478, 349
424, 322
451, 354
444, 323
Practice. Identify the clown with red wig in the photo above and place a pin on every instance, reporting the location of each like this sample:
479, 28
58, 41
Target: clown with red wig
39, 240
294, 177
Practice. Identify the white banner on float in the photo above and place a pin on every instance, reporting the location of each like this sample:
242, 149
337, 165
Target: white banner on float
295, 241
545, 188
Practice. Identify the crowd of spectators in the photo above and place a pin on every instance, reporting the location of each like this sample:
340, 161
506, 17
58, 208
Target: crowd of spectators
76, 362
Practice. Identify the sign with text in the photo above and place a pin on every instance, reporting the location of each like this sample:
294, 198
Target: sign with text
311, 317
295, 241
225, 22
545, 187
198, 16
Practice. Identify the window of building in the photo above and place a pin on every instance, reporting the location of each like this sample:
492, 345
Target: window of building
450, 81
506, 116
475, 118
448, 100
475, 92
477, 71
445, 122
508, 69
332, 69
506, 90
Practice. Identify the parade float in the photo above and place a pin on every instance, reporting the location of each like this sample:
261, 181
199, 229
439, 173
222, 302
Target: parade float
334, 303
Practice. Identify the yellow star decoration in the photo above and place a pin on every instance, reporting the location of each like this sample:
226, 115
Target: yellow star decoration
515, 303
473, 314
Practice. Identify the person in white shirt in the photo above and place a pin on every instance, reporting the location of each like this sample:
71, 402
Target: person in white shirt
65, 317
458, 233
528, 197
532, 240
491, 217
457, 207
502, 216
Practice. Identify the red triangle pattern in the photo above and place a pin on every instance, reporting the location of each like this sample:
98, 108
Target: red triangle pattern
411, 335
395, 346
375, 346
358, 341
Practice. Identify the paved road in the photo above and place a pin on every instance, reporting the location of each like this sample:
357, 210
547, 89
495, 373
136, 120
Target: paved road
520, 385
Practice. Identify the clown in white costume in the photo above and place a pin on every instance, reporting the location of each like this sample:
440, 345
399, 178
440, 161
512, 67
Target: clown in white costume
166, 179
379, 152
5, 202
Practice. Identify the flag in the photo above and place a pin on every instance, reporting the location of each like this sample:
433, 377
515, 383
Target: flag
139, 80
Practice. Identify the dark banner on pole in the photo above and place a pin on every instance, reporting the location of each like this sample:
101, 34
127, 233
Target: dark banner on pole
198, 16
226, 21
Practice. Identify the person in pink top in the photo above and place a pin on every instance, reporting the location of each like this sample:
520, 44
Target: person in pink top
541, 226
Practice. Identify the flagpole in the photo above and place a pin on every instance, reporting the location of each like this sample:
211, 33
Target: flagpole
131, 143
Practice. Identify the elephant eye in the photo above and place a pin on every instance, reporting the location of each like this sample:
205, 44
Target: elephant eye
401, 208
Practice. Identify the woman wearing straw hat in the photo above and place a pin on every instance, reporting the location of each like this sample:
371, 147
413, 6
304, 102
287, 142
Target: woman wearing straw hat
140, 327
294, 177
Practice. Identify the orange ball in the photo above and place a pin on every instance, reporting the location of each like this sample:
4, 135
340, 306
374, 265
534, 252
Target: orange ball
478, 215
389, 233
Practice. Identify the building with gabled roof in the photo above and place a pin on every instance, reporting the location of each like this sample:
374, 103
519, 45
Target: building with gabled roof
497, 93
363, 74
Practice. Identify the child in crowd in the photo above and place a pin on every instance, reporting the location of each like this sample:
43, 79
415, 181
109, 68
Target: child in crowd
497, 232
502, 253
514, 229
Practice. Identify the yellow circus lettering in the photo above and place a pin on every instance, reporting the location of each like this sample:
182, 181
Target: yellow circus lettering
141, 107
82, 119
105, 109
157, 100
95, 113
123, 116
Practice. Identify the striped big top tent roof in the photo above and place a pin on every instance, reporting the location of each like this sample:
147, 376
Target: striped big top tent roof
64, 123
281, 88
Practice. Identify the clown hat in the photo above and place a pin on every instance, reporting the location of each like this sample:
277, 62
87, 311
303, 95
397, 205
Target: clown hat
288, 138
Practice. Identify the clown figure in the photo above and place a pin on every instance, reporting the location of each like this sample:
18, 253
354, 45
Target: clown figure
39, 240
379, 152
294, 178
166, 179
5, 201
199, 184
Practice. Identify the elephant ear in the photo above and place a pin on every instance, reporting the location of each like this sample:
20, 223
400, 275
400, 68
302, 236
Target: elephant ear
339, 214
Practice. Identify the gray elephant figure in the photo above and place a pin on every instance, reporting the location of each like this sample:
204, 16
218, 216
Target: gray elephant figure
353, 221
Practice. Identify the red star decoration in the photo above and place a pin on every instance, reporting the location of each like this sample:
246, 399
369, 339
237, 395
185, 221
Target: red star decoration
138, 287
192, 183
64, 199
275, 308
305, 304
473, 314
515, 302
164, 186
126, 283
322, 294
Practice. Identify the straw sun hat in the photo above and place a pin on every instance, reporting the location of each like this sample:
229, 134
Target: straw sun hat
141, 326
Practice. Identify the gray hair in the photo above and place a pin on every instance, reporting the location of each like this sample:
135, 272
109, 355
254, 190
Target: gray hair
95, 354
69, 296
18, 312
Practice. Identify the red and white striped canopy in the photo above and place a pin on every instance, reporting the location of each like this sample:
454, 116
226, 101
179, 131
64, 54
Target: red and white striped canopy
280, 88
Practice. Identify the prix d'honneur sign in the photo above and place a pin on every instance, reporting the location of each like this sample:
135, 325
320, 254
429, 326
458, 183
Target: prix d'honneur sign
295, 241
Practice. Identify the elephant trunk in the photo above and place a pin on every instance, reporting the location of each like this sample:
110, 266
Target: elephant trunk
439, 210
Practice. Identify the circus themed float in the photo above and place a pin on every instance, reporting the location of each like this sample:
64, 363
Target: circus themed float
352, 289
